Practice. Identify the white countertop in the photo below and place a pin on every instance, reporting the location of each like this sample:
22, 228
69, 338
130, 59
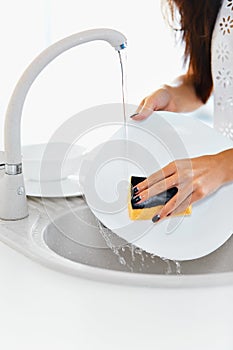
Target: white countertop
44, 309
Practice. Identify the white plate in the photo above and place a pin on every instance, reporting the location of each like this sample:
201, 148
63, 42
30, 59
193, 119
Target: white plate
64, 188
57, 164
52, 161
152, 144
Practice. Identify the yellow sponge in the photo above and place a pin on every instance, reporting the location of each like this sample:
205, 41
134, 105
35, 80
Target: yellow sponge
152, 206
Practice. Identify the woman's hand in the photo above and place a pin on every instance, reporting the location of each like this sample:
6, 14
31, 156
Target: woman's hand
195, 179
180, 97
157, 101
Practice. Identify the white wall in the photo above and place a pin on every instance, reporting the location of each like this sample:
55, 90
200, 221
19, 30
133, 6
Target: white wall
87, 75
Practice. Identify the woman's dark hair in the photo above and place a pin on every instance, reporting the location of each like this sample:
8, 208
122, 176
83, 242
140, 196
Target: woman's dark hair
197, 20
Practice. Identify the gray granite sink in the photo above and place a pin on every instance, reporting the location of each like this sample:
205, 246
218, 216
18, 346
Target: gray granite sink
78, 236
63, 234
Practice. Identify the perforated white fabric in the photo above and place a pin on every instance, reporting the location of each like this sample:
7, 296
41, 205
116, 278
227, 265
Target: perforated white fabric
222, 69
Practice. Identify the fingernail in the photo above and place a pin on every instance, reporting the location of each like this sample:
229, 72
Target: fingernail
133, 115
156, 218
135, 190
136, 199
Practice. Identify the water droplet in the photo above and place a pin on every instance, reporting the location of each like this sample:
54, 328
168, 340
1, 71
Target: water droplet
121, 260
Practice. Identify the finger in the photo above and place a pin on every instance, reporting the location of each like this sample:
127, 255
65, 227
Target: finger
159, 187
169, 170
159, 175
182, 207
177, 204
136, 115
179, 208
146, 109
157, 101
140, 105
165, 210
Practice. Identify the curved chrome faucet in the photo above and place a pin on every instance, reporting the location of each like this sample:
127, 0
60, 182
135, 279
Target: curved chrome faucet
13, 203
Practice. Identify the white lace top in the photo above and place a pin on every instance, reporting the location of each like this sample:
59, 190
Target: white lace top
222, 69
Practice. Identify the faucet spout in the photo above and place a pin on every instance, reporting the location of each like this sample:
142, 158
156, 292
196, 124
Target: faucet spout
13, 180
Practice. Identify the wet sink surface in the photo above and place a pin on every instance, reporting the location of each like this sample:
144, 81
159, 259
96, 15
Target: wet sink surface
79, 237
62, 234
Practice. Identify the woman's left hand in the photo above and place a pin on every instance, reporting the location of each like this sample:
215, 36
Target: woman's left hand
195, 179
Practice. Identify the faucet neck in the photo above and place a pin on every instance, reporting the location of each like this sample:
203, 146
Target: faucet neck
15, 107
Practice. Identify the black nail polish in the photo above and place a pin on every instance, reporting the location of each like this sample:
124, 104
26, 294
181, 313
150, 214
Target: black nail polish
156, 218
136, 199
135, 190
133, 115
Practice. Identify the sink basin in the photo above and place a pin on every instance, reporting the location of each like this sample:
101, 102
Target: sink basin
64, 235
79, 237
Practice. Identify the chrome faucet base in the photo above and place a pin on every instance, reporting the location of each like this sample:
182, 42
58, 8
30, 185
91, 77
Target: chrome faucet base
13, 169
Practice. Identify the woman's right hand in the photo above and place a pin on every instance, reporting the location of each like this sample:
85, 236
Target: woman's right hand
160, 100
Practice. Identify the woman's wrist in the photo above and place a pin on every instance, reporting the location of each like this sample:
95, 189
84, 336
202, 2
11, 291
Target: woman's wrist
183, 95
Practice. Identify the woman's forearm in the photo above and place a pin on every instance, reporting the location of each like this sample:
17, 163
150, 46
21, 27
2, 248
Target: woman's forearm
183, 95
225, 160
